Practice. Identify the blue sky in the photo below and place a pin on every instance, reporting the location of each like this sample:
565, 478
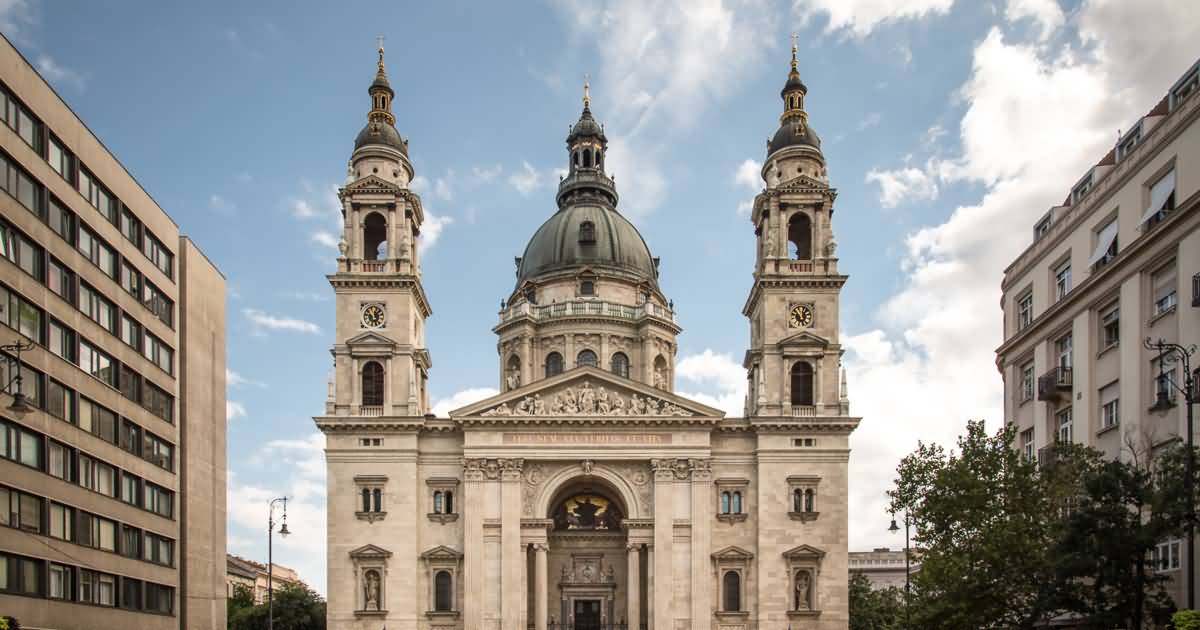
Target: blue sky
948, 128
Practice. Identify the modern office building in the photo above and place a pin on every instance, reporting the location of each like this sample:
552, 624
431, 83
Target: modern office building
112, 480
1118, 262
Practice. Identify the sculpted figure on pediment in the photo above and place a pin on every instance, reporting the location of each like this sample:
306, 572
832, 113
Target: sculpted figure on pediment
602, 405
618, 406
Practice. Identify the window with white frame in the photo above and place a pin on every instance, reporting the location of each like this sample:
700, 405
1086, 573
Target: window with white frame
1025, 310
1110, 326
1162, 283
1027, 381
731, 499
443, 498
1110, 405
1066, 425
1063, 348
1027, 444
1106, 245
1162, 200
370, 497
1062, 280
1164, 384
1166, 556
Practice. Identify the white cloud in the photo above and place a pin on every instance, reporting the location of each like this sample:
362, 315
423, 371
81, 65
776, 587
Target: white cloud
15, 15
234, 410
931, 365
56, 73
294, 468
870, 120
220, 204
1046, 14
317, 203
443, 406
904, 54
234, 379
903, 185
307, 296
657, 55
432, 228
486, 174
527, 180
860, 17
265, 321
748, 176
324, 238
438, 187
718, 379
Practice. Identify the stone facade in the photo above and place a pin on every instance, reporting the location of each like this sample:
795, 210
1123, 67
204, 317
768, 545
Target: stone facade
587, 494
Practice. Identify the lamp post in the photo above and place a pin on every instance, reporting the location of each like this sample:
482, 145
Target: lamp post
907, 589
1176, 352
283, 531
20, 404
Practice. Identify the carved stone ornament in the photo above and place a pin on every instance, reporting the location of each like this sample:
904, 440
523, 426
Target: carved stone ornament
586, 466
590, 402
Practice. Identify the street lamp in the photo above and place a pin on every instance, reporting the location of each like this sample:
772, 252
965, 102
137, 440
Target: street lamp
283, 531
20, 404
1182, 354
893, 528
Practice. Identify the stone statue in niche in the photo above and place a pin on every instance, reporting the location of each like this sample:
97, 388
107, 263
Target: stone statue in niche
770, 248
404, 246
371, 590
660, 378
803, 591
513, 380
773, 175
343, 248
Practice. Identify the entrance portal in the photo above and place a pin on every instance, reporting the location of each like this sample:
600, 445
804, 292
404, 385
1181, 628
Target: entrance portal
587, 614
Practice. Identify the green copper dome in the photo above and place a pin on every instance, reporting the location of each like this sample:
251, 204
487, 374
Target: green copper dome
565, 243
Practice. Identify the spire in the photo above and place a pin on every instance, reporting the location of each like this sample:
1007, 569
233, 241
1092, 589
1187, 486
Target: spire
795, 64
794, 90
381, 94
587, 100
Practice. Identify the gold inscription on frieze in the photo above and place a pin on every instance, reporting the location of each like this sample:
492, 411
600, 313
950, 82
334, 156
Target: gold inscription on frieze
587, 438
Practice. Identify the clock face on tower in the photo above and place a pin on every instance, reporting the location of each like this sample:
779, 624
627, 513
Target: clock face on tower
373, 316
801, 316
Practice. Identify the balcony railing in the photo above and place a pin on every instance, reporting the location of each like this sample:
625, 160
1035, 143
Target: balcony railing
372, 411
374, 266
1196, 290
803, 411
1053, 383
1047, 456
577, 308
583, 625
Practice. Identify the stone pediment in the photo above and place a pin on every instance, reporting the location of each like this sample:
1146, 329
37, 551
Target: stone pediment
804, 552
441, 552
804, 338
732, 552
804, 182
371, 184
586, 392
370, 552
370, 339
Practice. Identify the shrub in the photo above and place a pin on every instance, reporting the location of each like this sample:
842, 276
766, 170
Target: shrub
1186, 620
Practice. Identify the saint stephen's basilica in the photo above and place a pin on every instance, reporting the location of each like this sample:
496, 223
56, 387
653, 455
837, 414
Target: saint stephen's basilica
587, 495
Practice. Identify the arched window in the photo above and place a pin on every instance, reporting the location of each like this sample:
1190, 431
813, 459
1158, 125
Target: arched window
732, 591
443, 595
366, 500
800, 237
374, 237
797, 501
372, 384
737, 502
554, 364
620, 364
449, 502
802, 384
809, 503
725, 503
587, 158
587, 232
586, 358
377, 494
438, 506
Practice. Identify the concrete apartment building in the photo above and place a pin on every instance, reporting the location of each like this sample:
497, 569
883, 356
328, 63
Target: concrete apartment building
112, 487
1116, 263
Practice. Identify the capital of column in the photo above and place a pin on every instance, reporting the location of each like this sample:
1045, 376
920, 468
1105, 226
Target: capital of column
510, 469
540, 547
701, 469
481, 468
633, 547
664, 469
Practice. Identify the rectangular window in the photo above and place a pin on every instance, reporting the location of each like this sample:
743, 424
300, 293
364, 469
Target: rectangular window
1110, 406
1025, 310
157, 253
131, 594
60, 280
62, 521
1063, 347
1166, 556
97, 420
29, 128
1027, 444
60, 581
1082, 188
21, 251
1162, 200
159, 550
61, 220
131, 332
96, 475
58, 460
1066, 427
159, 353
59, 158
62, 341
96, 251
130, 384
1110, 326
131, 280
158, 402
97, 363
131, 228
131, 437
106, 590
159, 500
158, 451
1106, 245
1162, 283
158, 303
160, 599
1164, 386
131, 489
131, 542
60, 400
25, 511
1062, 281
20, 315
87, 586
1027, 381
26, 190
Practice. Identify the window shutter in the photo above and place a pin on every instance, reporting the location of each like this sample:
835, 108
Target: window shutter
1104, 240
1159, 193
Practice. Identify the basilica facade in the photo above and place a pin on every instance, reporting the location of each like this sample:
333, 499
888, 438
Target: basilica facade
587, 495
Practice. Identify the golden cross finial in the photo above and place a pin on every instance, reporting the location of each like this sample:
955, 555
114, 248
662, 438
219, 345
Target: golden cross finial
587, 99
795, 47
379, 38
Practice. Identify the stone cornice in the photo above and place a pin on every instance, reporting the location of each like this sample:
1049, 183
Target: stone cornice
790, 281
372, 280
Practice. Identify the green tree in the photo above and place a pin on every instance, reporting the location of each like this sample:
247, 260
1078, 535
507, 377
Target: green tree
242, 599
870, 609
1186, 620
297, 607
986, 527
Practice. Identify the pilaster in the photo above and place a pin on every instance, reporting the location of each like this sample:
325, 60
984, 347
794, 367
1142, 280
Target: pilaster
702, 505
512, 578
473, 568
664, 538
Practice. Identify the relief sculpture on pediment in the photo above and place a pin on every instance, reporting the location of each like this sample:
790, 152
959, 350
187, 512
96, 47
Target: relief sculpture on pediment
588, 401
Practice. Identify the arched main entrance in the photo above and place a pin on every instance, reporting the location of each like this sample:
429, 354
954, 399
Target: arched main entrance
588, 571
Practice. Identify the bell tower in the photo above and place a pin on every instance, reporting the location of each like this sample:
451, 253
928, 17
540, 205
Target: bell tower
794, 361
381, 364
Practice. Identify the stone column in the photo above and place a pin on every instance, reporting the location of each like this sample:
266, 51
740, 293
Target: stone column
647, 360
527, 360
650, 587
664, 534
569, 352
512, 582
634, 585
540, 588
702, 506
604, 361
470, 507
